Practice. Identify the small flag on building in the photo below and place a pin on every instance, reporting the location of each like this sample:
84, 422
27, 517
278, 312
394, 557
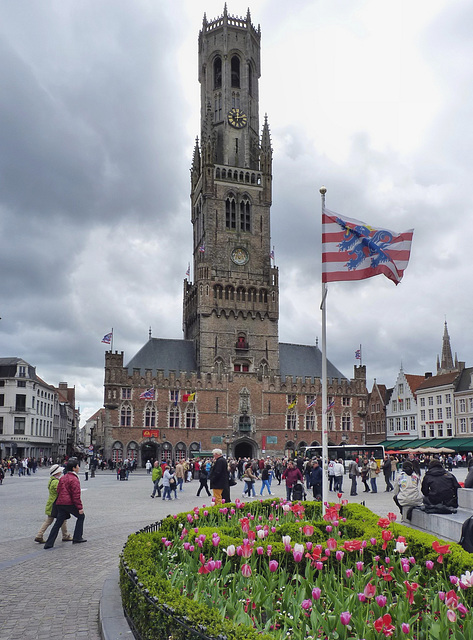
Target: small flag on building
188, 272
108, 338
293, 404
202, 248
147, 395
358, 354
312, 403
188, 397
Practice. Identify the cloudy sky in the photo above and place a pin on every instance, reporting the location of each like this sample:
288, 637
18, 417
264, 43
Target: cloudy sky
99, 111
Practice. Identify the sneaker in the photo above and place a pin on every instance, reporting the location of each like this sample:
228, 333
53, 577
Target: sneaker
40, 540
152, 496
67, 539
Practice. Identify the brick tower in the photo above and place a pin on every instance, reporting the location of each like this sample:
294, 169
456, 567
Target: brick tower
231, 309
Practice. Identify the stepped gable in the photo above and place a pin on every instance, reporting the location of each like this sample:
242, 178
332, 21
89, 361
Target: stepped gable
414, 381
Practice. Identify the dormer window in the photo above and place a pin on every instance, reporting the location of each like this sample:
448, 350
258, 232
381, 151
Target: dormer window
241, 343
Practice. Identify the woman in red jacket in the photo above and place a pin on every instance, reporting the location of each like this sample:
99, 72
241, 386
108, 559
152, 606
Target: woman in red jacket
68, 503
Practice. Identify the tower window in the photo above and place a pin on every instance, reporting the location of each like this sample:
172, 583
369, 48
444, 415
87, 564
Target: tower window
230, 213
245, 215
250, 80
235, 67
218, 73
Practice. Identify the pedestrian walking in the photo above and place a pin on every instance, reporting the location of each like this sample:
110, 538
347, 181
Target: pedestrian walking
338, 471
265, 477
365, 474
86, 470
156, 476
315, 480
167, 475
219, 476
291, 475
148, 466
203, 478
331, 474
353, 473
249, 480
55, 473
69, 503
386, 468
373, 472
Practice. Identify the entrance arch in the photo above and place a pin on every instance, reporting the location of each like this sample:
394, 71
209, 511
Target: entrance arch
244, 449
149, 451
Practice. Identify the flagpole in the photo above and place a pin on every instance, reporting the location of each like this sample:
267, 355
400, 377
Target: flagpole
111, 344
361, 357
323, 191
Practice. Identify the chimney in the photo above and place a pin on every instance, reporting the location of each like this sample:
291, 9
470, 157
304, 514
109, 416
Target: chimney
427, 374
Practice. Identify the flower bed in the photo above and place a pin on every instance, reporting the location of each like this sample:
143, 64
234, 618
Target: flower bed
273, 570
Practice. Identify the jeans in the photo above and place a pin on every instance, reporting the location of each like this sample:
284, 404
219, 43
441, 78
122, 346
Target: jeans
267, 485
288, 493
374, 488
180, 482
156, 488
338, 484
353, 486
167, 493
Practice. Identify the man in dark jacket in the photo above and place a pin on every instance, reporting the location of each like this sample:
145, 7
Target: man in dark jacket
315, 479
440, 486
219, 478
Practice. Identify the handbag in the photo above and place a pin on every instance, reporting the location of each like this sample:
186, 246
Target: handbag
231, 481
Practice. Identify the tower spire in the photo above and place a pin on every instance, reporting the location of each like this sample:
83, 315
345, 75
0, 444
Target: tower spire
446, 359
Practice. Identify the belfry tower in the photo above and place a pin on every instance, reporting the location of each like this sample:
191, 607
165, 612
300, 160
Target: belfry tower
231, 309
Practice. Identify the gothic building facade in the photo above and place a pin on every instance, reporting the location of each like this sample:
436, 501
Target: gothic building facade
229, 381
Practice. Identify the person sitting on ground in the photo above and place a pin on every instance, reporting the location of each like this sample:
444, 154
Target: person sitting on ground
407, 490
440, 486
469, 478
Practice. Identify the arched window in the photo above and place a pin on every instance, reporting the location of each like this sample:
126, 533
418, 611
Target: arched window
263, 295
229, 292
174, 418
125, 415
240, 294
150, 415
230, 212
235, 66
132, 451
218, 72
180, 452
291, 420
310, 421
245, 215
190, 417
117, 451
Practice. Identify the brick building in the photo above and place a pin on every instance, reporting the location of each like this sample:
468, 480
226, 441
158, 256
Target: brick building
230, 381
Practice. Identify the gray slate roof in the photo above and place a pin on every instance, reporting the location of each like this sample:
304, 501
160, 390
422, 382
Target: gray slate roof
464, 383
179, 355
304, 360
164, 353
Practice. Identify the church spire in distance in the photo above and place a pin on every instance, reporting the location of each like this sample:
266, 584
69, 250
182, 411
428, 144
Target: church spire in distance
446, 363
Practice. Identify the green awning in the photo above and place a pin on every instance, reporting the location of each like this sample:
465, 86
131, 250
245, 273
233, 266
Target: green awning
458, 444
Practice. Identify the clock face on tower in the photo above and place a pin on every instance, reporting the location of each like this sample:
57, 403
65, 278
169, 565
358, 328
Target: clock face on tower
237, 118
240, 256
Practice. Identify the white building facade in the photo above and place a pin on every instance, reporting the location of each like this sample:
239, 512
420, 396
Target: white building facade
401, 410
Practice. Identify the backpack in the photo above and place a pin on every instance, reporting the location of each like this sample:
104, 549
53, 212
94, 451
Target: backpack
466, 540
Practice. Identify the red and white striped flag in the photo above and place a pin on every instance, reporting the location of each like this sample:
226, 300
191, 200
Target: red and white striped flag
353, 250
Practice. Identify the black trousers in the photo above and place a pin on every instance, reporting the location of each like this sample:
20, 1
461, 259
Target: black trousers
65, 511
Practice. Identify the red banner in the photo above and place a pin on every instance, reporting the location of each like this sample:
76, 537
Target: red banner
150, 433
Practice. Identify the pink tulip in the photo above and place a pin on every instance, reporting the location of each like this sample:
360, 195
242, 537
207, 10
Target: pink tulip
451, 615
360, 566
316, 593
339, 555
259, 551
345, 617
429, 565
381, 600
405, 628
319, 566
349, 573
298, 552
329, 528
369, 590
331, 544
246, 570
309, 546
361, 597
273, 565
306, 604
230, 550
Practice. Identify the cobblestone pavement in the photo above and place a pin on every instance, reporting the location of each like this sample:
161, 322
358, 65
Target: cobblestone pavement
54, 594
